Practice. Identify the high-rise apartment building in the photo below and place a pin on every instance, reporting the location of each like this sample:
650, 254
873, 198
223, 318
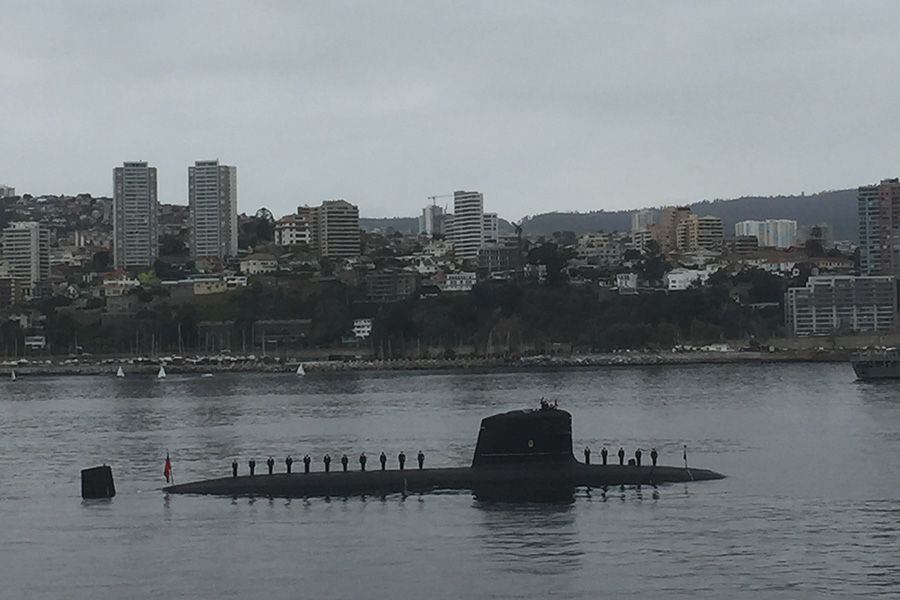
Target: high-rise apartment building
641, 220
772, 233
491, 228
212, 196
878, 214
432, 220
333, 228
467, 233
26, 250
665, 231
695, 233
135, 216
7, 191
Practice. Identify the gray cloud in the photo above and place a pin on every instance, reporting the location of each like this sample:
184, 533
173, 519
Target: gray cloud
540, 105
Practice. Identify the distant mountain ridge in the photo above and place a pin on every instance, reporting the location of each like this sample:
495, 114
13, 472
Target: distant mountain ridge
398, 224
835, 207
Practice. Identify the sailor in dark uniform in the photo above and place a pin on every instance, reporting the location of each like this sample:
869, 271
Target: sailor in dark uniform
401, 458
271, 464
603, 454
621, 456
344, 461
306, 462
587, 456
362, 461
383, 460
653, 456
288, 462
252, 464
637, 457
421, 459
234, 468
327, 461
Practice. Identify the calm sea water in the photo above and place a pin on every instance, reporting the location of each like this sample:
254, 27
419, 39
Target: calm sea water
811, 506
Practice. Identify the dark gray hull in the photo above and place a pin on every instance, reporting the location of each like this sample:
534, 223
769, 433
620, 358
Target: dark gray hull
514, 481
872, 369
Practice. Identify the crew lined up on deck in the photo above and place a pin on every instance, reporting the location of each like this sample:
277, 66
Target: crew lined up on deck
636, 461
420, 457
326, 460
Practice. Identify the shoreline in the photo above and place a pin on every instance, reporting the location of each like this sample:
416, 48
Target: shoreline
210, 365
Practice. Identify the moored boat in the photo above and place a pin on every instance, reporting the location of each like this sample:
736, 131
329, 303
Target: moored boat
877, 365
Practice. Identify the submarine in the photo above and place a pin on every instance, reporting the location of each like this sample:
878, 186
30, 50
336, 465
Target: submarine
523, 454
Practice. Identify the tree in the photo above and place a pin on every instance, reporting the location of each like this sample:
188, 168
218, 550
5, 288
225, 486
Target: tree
170, 245
548, 254
148, 278
814, 247
101, 262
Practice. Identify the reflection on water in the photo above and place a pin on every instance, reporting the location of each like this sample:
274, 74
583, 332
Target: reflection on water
809, 507
530, 537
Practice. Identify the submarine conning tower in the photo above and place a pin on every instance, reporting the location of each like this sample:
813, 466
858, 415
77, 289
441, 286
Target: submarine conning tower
518, 437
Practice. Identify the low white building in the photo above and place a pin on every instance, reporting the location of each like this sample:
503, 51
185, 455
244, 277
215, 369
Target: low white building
462, 281
292, 229
682, 279
35, 342
235, 281
119, 287
424, 265
362, 328
259, 263
627, 283
607, 249
438, 248
842, 304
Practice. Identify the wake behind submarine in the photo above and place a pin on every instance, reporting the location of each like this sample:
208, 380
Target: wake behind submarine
521, 453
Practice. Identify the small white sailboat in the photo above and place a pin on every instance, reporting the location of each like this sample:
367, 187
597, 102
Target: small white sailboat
300, 369
162, 372
120, 372
206, 375
12, 375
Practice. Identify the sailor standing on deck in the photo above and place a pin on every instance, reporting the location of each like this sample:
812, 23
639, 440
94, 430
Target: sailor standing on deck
603, 454
383, 460
344, 461
270, 462
288, 462
421, 459
252, 465
653, 456
401, 458
234, 468
587, 455
327, 461
362, 461
307, 460
637, 457
621, 456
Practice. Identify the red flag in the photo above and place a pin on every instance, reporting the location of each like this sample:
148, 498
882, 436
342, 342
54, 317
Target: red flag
167, 470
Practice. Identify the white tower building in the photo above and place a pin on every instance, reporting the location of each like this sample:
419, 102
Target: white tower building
212, 195
135, 216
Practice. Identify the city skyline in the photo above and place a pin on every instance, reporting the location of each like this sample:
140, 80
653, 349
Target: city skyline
486, 97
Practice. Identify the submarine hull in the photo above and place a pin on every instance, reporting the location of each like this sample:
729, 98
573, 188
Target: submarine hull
534, 479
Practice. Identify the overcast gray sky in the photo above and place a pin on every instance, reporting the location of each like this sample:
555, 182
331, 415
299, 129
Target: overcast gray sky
540, 105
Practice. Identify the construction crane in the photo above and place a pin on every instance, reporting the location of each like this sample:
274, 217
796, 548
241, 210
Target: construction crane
434, 203
434, 198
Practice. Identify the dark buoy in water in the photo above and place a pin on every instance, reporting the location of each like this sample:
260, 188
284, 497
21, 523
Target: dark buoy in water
97, 482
